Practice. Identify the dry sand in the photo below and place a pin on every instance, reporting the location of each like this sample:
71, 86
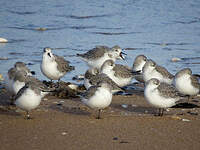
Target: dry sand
67, 124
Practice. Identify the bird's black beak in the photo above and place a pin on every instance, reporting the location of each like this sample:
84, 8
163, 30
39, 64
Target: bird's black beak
33, 72
122, 55
49, 54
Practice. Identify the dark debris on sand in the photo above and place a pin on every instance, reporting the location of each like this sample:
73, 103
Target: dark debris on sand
63, 89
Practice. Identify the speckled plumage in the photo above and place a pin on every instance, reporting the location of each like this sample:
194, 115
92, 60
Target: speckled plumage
95, 53
167, 90
121, 75
123, 71
164, 72
103, 77
63, 65
91, 73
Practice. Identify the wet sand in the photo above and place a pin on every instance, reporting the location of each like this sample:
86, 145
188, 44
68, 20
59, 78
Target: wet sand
68, 124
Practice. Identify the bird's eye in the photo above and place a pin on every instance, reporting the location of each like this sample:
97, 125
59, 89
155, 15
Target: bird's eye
116, 50
156, 82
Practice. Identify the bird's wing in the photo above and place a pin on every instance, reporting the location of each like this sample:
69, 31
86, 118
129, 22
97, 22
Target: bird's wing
63, 65
164, 72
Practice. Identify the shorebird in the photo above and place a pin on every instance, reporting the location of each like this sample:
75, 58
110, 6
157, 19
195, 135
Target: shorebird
30, 95
138, 64
21, 66
21, 78
18, 66
151, 70
54, 67
187, 83
161, 95
120, 74
98, 55
98, 97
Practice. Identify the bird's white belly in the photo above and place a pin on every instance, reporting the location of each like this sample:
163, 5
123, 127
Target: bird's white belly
100, 100
50, 70
153, 98
17, 85
29, 100
184, 86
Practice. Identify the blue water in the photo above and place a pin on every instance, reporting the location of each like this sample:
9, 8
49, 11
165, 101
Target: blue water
158, 29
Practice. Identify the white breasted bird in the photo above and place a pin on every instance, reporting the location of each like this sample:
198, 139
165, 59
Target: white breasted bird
98, 97
54, 67
161, 95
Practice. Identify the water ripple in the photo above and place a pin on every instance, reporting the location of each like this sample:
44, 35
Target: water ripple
22, 13
114, 33
37, 29
168, 44
85, 17
195, 20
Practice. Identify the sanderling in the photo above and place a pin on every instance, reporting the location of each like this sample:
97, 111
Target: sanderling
29, 96
98, 55
151, 70
98, 97
161, 94
88, 75
54, 67
138, 64
186, 83
120, 74
18, 66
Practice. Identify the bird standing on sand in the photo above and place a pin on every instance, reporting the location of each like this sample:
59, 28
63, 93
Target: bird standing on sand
98, 97
98, 55
120, 74
30, 95
54, 67
161, 95
187, 83
152, 70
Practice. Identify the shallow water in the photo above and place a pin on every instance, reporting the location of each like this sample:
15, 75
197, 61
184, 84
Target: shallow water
158, 29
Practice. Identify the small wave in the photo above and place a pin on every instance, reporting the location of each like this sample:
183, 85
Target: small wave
85, 17
114, 33
168, 44
22, 13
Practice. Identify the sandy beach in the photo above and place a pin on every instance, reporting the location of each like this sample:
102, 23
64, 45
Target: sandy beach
129, 123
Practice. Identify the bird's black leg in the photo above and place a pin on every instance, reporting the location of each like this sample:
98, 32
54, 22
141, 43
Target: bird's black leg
58, 82
188, 98
27, 115
99, 112
161, 111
